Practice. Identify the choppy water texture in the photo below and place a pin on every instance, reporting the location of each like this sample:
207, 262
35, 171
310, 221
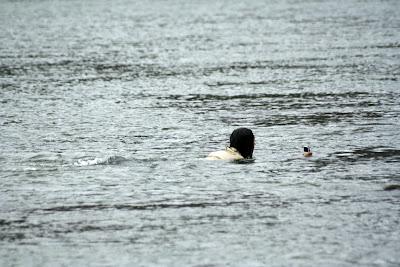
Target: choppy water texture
107, 109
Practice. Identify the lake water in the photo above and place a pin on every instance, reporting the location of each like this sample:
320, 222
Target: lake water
108, 108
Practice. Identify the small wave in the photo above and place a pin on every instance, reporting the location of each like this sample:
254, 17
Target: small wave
112, 160
45, 157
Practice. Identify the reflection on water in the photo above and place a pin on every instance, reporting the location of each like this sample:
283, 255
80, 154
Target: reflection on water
107, 111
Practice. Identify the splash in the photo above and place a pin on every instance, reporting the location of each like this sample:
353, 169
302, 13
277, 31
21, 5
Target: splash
112, 160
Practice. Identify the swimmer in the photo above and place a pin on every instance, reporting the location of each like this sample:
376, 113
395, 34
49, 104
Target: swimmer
241, 146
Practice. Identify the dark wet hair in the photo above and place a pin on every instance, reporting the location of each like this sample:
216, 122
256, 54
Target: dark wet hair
243, 140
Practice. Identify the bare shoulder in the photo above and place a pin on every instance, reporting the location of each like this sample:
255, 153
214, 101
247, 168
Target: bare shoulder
216, 155
224, 155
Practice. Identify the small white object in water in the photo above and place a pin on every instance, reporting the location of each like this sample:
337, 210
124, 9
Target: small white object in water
307, 152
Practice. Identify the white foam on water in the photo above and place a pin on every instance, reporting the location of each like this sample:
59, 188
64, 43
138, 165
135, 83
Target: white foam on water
111, 160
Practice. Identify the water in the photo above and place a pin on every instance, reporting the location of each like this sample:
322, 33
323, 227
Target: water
109, 108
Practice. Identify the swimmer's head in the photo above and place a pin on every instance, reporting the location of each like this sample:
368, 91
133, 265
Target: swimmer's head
243, 140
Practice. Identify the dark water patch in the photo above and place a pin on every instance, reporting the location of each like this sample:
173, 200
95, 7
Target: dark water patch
4, 222
6, 71
155, 227
383, 46
392, 187
306, 95
335, 19
131, 71
307, 59
102, 68
301, 184
89, 228
7, 86
206, 265
319, 200
290, 66
11, 70
10, 237
111, 71
150, 206
357, 177
210, 217
271, 82
195, 220
90, 79
370, 153
76, 207
321, 118
244, 161
16, 232
272, 65
362, 47
11, 122
140, 95
386, 79
177, 205
10, 230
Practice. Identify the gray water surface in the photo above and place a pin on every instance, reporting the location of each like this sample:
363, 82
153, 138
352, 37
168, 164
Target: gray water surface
108, 108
